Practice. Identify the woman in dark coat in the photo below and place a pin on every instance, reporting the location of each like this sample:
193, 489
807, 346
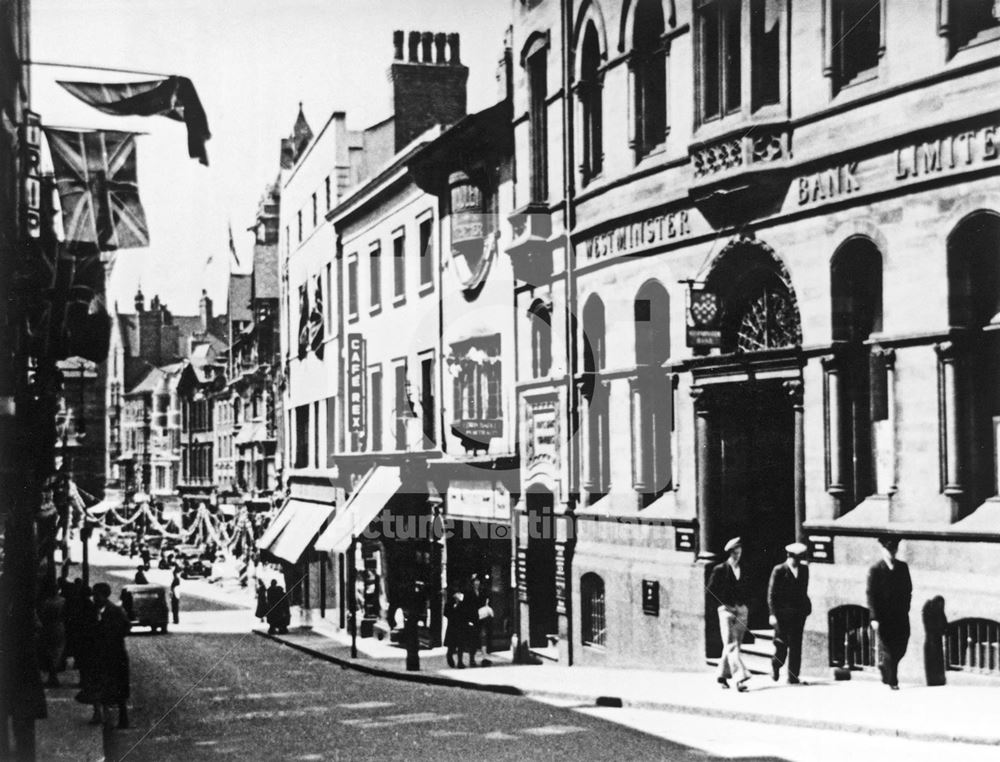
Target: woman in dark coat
453, 635
261, 611
279, 612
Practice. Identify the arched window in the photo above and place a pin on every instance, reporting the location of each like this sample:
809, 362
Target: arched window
974, 386
591, 103
593, 335
862, 388
651, 394
592, 617
540, 315
596, 464
652, 325
650, 76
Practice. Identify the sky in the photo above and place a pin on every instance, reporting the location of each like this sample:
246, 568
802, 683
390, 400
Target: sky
252, 63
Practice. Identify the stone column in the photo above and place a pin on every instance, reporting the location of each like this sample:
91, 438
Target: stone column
795, 391
835, 450
584, 442
705, 463
951, 445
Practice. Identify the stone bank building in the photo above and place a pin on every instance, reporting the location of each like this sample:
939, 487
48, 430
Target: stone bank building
757, 258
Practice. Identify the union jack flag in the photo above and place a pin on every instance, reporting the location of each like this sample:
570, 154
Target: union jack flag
96, 179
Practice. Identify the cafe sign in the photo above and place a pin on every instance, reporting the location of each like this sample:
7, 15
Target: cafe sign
356, 409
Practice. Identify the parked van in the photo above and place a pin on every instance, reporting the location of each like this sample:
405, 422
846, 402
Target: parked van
146, 606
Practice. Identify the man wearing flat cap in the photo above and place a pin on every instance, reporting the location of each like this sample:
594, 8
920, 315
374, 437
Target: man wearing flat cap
789, 604
729, 586
889, 592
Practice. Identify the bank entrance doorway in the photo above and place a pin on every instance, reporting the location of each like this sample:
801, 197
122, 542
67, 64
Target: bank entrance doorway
756, 480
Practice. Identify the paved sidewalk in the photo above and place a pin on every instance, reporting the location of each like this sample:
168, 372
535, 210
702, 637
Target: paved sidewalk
960, 713
66, 735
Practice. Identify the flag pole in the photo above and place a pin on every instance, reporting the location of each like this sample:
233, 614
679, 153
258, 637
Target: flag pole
89, 129
114, 69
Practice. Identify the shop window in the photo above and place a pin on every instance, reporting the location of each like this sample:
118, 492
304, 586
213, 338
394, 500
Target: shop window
426, 252
593, 619
375, 276
856, 41
856, 302
974, 305
537, 70
399, 267
969, 22
591, 103
719, 59
540, 316
649, 70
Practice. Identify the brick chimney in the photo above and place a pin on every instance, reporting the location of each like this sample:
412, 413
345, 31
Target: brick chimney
427, 89
205, 311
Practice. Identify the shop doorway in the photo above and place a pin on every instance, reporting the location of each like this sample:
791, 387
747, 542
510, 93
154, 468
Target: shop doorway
756, 499
541, 568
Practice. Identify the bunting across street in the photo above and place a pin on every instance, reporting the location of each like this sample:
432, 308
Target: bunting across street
173, 97
95, 175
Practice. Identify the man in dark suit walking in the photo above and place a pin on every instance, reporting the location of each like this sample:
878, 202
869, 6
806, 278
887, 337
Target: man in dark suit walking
728, 586
889, 593
789, 604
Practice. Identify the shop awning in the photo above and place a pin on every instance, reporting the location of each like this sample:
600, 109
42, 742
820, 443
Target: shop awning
371, 495
305, 520
278, 523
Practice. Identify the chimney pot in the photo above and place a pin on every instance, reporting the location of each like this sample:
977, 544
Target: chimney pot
426, 41
397, 45
413, 43
453, 43
440, 39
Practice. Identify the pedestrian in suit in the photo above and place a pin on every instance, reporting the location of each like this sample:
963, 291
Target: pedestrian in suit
111, 657
889, 593
453, 635
728, 586
789, 604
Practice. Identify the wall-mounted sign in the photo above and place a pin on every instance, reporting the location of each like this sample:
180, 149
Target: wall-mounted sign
562, 585
480, 430
357, 415
651, 597
636, 236
521, 561
704, 317
685, 539
543, 431
948, 153
31, 192
478, 500
820, 548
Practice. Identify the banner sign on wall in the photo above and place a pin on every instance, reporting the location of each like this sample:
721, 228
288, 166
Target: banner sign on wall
356, 410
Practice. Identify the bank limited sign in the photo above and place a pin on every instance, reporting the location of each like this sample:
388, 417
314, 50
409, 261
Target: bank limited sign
356, 408
947, 153
485, 500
